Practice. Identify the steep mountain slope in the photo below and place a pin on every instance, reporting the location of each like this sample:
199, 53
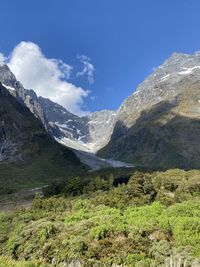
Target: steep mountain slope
159, 125
163, 84
82, 133
28, 154
100, 125
27, 97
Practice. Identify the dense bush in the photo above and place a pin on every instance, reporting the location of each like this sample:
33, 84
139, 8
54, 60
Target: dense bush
152, 220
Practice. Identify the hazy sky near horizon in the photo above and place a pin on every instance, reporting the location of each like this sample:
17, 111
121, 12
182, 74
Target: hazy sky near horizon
90, 55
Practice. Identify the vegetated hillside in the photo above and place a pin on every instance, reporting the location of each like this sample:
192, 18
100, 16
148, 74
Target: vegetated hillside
28, 155
164, 136
152, 221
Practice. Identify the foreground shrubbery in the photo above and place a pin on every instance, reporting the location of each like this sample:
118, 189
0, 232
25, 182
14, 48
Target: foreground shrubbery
9, 262
153, 220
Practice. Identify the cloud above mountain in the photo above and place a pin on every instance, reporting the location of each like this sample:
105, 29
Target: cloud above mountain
88, 68
47, 76
2, 58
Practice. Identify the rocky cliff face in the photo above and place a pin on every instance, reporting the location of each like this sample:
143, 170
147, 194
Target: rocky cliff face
17, 124
163, 84
158, 125
28, 154
100, 126
27, 97
88, 133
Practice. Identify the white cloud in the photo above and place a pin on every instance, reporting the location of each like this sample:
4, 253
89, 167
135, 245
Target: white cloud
2, 59
88, 68
46, 76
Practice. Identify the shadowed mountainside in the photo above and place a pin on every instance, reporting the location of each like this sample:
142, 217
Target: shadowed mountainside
164, 136
28, 155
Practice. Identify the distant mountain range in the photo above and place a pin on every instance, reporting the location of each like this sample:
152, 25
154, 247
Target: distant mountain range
158, 126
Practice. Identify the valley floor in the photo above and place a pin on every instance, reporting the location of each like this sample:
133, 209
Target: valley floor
97, 163
86, 153
19, 200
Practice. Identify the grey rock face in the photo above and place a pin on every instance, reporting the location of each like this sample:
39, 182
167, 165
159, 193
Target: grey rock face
69, 125
9, 150
85, 133
90, 132
11, 135
100, 126
163, 84
27, 97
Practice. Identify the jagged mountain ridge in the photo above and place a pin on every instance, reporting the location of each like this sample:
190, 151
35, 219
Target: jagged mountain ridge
28, 97
84, 133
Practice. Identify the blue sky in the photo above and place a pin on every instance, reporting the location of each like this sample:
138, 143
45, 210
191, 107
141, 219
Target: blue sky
125, 39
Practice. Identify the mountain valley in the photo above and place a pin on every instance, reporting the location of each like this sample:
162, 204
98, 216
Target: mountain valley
110, 189
159, 105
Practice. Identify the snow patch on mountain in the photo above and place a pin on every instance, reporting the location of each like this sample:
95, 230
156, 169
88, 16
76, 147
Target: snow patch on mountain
8, 87
188, 70
74, 144
165, 77
162, 84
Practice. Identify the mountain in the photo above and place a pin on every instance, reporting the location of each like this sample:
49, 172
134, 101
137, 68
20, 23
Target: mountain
28, 154
82, 133
27, 97
158, 126
152, 128
162, 84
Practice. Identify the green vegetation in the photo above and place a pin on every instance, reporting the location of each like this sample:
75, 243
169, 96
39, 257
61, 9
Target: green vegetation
39, 171
151, 220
